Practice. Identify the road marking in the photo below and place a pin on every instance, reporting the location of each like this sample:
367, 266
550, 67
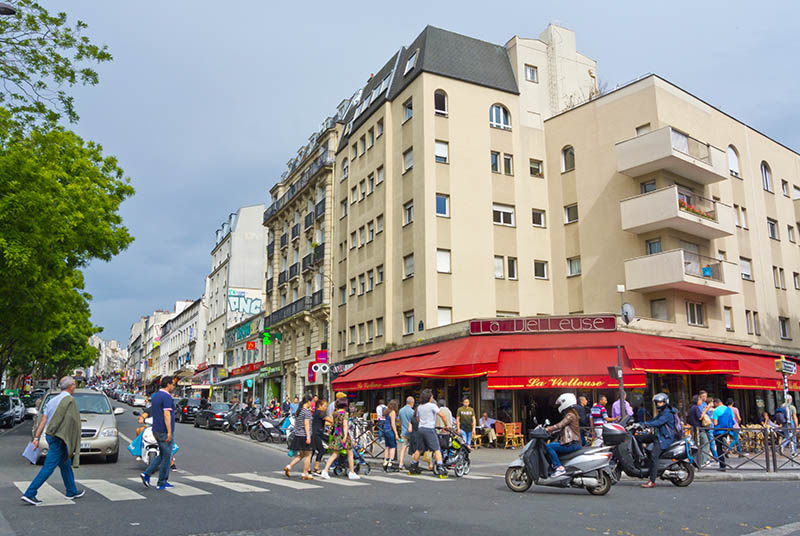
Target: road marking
47, 493
783, 530
294, 484
112, 492
386, 479
126, 438
336, 480
234, 486
476, 477
179, 488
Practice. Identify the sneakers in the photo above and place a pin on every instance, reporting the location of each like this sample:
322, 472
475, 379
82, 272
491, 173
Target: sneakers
31, 500
414, 469
560, 471
78, 495
145, 479
164, 486
352, 476
324, 475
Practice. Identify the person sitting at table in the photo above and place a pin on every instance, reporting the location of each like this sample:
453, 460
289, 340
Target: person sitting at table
487, 428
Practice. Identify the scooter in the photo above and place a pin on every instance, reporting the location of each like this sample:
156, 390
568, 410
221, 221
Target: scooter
676, 463
149, 442
265, 430
586, 468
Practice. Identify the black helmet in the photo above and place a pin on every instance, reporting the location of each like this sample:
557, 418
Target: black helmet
661, 397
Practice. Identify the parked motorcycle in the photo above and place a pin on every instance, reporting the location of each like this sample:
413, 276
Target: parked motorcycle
586, 468
676, 463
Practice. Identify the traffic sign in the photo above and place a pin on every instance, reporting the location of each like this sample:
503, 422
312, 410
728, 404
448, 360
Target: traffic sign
785, 366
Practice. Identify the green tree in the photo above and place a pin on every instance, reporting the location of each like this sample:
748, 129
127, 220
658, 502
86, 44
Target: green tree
41, 55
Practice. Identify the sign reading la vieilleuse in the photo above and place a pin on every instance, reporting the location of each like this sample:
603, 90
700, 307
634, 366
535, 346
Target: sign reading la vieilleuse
543, 324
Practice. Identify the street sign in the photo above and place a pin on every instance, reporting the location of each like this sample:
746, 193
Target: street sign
615, 372
785, 366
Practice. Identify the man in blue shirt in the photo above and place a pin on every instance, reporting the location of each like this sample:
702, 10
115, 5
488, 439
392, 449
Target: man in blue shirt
723, 425
163, 424
405, 414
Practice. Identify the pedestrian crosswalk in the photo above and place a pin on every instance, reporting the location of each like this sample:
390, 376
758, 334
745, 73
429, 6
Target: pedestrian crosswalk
131, 489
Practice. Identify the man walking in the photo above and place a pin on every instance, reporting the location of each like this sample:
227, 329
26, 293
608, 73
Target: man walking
61, 422
788, 413
467, 422
163, 424
406, 413
723, 425
583, 417
286, 406
599, 416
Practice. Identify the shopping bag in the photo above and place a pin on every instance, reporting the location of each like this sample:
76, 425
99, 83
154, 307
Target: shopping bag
175, 448
427, 456
31, 453
135, 448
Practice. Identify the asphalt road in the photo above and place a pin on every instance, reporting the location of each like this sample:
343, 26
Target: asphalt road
230, 486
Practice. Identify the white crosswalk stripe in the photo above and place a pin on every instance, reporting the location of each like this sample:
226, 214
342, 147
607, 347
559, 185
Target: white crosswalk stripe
47, 493
388, 480
112, 492
341, 481
233, 486
476, 477
179, 488
285, 482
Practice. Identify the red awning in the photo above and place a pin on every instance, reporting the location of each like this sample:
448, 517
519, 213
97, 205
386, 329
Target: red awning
381, 373
664, 355
561, 368
757, 372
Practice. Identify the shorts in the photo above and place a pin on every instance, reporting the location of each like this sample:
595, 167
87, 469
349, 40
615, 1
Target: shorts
390, 439
299, 444
428, 440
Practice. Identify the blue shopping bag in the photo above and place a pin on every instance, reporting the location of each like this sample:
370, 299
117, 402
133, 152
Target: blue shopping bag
135, 448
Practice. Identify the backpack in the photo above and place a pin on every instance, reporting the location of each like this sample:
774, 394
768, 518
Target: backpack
780, 416
678, 425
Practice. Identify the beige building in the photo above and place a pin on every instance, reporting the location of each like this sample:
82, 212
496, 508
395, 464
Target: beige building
438, 169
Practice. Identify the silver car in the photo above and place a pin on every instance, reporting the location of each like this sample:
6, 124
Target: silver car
99, 433
19, 409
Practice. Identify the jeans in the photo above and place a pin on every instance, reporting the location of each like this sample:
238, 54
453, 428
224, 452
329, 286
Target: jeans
653, 455
722, 449
163, 460
712, 444
56, 457
467, 437
789, 437
554, 448
735, 442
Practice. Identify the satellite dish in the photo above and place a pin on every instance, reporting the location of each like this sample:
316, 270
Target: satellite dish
627, 313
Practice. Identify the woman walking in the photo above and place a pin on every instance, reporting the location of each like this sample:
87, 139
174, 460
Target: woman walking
318, 422
341, 440
390, 437
301, 443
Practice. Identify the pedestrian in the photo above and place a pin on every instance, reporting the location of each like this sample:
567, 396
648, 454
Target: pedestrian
332, 407
61, 424
465, 415
428, 440
444, 419
766, 421
786, 416
406, 413
295, 405
723, 426
314, 401
301, 443
341, 440
163, 425
390, 436
616, 413
487, 429
379, 417
641, 414
286, 406
583, 417
707, 409
737, 421
173, 466
699, 433
318, 421
599, 416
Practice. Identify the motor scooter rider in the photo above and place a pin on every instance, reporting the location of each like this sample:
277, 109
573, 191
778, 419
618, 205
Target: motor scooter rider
664, 434
569, 440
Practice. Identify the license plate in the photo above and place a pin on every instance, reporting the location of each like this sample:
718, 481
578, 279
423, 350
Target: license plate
85, 446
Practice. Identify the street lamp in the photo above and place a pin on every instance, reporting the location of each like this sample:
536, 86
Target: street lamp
7, 10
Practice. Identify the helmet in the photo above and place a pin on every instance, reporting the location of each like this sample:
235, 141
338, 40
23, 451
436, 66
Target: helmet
661, 397
566, 401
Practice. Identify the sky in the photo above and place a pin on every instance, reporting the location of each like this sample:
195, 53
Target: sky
205, 102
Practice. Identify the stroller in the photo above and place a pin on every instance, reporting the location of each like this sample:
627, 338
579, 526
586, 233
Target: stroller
455, 454
360, 464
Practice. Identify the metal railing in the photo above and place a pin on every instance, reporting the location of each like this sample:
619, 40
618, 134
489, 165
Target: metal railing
270, 249
319, 209
294, 270
284, 240
700, 266
697, 205
325, 159
303, 304
309, 220
690, 146
282, 277
270, 283
307, 262
316, 298
751, 447
295, 231
319, 253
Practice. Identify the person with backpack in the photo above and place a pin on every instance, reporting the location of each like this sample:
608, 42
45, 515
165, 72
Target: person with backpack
786, 418
723, 426
664, 434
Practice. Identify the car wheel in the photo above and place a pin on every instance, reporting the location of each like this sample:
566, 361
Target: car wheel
112, 458
195, 423
208, 426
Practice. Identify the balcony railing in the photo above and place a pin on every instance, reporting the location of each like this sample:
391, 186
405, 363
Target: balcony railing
316, 298
697, 205
284, 240
303, 304
283, 277
701, 266
319, 209
295, 231
325, 159
309, 220
691, 146
270, 283
294, 270
270, 249
683, 270
319, 253
307, 262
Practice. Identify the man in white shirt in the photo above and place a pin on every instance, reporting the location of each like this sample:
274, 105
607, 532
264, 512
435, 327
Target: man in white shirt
428, 439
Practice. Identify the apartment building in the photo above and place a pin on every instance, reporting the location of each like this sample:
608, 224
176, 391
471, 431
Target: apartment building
180, 350
298, 262
235, 287
439, 167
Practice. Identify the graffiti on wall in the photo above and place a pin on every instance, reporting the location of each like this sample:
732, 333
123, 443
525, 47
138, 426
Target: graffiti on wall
238, 302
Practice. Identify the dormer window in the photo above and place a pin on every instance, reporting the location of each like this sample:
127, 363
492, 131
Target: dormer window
412, 61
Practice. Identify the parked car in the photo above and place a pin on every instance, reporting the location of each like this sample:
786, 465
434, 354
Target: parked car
99, 432
31, 408
7, 416
211, 414
186, 408
138, 400
19, 408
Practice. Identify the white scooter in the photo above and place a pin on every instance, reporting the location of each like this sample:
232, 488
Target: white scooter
149, 442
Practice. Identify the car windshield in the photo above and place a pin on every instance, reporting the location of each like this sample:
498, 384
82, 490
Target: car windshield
220, 406
29, 401
5, 402
92, 403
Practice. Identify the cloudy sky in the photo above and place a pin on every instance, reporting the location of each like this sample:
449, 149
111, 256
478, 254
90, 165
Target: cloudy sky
205, 102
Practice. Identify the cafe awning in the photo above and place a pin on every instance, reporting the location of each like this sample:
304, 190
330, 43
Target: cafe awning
664, 355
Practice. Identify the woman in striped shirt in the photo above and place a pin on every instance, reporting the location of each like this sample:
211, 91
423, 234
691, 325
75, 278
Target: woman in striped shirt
301, 443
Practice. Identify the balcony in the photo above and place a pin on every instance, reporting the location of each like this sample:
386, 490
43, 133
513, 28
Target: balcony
270, 249
316, 298
319, 253
684, 270
284, 240
307, 262
283, 278
679, 209
309, 221
303, 304
671, 150
270, 283
326, 159
319, 209
294, 270
295, 231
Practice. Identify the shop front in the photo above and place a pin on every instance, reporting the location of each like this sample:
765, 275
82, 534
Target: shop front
269, 381
241, 384
203, 379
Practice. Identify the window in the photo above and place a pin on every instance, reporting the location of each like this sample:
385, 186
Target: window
508, 164
790, 233
531, 73
494, 159
499, 117
379, 223
410, 63
540, 269
573, 266
408, 322
443, 261
362, 236
444, 316
498, 267
342, 295
746, 268
408, 160
658, 309
370, 138
647, 186
766, 177
440, 102
362, 284
343, 206
503, 215
733, 161
408, 213
695, 314
736, 215
443, 205
748, 317
538, 217
721, 255
796, 279
363, 185
379, 273
653, 246
537, 168
352, 334
370, 331
353, 194
643, 129
567, 159
370, 231
756, 326
442, 152
785, 188
352, 286
782, 278
727, 316
571, 213
361, 333
408, 266
355, 151
379, 126
744, 217
353, 240
379, 173
379, 327
408, 110
370, 183
345, 168
512, 268
783, 325
363, 142
775, 279
772, 228
370, 281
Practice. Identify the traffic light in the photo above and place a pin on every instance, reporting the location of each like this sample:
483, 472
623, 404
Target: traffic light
269, 337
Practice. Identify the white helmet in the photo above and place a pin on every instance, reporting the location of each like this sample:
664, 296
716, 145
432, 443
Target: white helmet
566, 401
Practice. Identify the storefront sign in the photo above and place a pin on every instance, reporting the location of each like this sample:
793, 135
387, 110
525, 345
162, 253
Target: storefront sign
563, 382
552, 324
250, 345
244, 369
202, 366
340, 368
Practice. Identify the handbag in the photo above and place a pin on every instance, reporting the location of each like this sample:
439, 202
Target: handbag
706, 420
